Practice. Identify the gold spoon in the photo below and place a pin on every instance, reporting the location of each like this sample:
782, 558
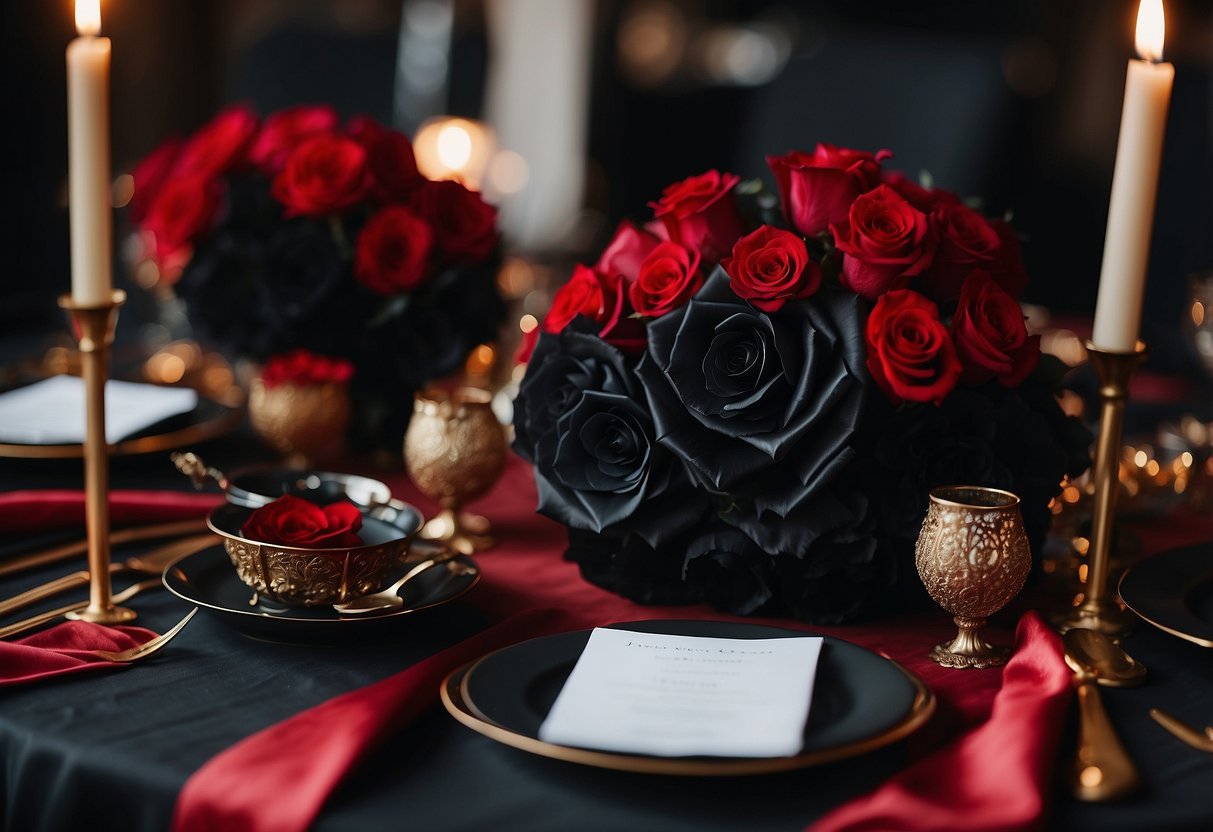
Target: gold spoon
1102, 768
389, 599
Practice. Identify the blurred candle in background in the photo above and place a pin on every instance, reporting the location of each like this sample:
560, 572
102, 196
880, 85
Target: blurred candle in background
447, 147
88, 129
1134, 186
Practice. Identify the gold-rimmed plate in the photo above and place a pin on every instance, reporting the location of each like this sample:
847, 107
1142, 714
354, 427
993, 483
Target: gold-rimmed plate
1174, 592
208, 580
861, 701
208, 420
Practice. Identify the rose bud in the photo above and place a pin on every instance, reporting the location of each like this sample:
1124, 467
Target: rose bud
991, 337
771, 266
885, 240
910, 355
667, 279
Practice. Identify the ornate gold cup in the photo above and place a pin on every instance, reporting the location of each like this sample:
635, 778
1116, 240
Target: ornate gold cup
973, 557
455, 450
300, 421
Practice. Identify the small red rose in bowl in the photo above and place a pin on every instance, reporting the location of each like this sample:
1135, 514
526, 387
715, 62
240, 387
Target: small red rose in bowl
303, 554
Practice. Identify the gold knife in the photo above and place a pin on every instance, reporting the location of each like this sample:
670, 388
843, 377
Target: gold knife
47, 617
1184, 732
69, 550
151, 563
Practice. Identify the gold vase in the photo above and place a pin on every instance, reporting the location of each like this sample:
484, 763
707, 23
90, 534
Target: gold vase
300, 421
455, 450
973, 557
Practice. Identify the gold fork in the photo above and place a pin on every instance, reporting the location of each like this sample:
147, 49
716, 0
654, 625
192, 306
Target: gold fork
146, 649
50, 615
1184, 732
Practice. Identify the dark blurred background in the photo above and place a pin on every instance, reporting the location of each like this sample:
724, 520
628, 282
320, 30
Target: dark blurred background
1015, 102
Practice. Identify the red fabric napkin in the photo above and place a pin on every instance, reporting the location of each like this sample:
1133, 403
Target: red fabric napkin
63, 649
994, 778
24, 512
277, 780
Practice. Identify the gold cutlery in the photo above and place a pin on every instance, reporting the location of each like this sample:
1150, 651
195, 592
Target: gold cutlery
68, 550
151, 563
35, 621
1102, 768
389, 599
1184, 732
146, 649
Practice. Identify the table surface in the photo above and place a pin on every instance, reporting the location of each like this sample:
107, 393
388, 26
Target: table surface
111, 750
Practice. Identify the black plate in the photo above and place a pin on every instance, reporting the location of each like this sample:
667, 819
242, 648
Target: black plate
206, 421
860, 700
1174, 592
208, 580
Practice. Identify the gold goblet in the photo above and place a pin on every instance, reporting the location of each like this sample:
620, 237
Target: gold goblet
973, 556
455, 450
300, 421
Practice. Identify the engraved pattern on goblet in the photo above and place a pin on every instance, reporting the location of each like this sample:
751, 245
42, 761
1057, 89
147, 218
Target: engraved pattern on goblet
455, 450
973, 557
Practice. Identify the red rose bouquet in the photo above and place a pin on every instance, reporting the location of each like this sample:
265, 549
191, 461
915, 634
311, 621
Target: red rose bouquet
300, 232
747, 400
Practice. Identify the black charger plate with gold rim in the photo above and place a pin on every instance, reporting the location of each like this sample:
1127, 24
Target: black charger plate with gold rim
1174, 592
208, 580
208, 420
861, 701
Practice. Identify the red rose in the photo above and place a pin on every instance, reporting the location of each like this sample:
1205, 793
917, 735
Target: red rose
393, 251
771, 266
886, 241
465, 226
305, 368
966, 241
991, 337
220, 144
603, 300
668, 277
910, 356
580, 295
323, 175
700, 213
287, 129
389, 155
817, 188
627, 251
294, 521
924, 199
184, 208
149, 177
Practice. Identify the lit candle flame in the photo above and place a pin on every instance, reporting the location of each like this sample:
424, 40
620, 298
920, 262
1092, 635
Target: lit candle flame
454, 146
1151, 30
88, 17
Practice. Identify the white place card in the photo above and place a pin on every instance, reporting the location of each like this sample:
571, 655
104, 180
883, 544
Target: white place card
675, 696
51, 412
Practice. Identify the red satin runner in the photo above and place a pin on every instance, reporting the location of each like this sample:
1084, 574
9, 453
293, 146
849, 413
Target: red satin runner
984, 762
26, 512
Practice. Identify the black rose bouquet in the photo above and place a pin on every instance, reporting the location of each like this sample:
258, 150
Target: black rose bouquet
298, 232
746, 401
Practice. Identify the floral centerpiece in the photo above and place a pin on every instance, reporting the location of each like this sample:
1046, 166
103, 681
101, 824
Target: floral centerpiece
302, 232
747, 399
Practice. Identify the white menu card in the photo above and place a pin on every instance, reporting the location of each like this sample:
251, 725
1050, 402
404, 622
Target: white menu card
675, 696
51, 412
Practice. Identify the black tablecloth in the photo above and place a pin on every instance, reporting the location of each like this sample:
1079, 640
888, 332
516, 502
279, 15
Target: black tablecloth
111, 749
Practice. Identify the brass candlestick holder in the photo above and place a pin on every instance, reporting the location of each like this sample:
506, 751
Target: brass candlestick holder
93, 327
1098, 609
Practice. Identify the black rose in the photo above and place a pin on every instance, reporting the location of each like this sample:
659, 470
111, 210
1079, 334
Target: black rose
587, 428
625, 564
759, 405
922, 446
305, 294
729, 571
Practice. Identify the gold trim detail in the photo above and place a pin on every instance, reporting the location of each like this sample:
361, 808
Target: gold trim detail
459, 705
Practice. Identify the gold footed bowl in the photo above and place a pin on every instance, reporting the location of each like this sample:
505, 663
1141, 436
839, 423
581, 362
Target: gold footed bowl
302, 577
300, 421
455, 450
973, 557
